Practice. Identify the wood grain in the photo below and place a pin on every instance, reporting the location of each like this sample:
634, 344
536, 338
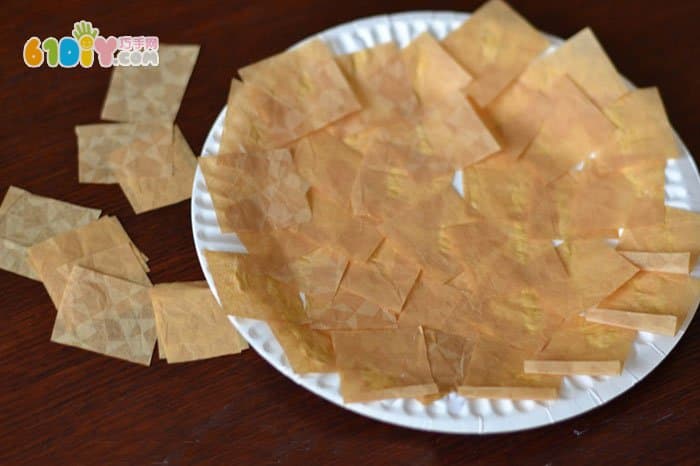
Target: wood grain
59, 405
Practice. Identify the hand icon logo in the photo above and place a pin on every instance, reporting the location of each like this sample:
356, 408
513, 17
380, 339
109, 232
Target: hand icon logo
85, 34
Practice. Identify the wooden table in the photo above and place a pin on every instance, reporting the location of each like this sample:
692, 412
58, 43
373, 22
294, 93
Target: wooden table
60, 405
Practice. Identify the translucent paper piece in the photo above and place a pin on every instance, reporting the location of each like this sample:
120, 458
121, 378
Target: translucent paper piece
151, 93
317, 272
152, 192
386, 279
106, 315
245, 291
448, 122
642, 129
521, 317
664, 324
456, 132
581, 347
96, 143
407, 133
121, 261
102, 245
430, 248
306, 349
494, 45
420, 232
378, 364
328, 164
666, 262
511, 193
442, 307
13, 258
347, 311
380, 81
256, 192
448, 356
573, 130
583, 59
652, 302
495, 370
108, 152
444, 209
306, 79
190, 324
596, 202
148, 153
516, 115
519, 111
449, 129
27, 219
257, 121
335, 225
528, 271
12, 195
392, 178
478, 244
595, 271
433, 72
277, 248
678, 233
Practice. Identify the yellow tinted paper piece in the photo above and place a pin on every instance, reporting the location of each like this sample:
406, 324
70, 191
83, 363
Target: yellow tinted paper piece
386, 279
650, 301
571, 132
257, 121
448, 356
595, 271
678, 233
582, 59
666, 262
306, 79
256, 192
442, 307
456, 132
581, 347
510, 193
380, 81
392, 178
642, 129
307, 349
434, 73
495, 45
190, 324
378, 364
317, 272
495, 370
345, 310
246, 291
335, 225
328, 164
596, 202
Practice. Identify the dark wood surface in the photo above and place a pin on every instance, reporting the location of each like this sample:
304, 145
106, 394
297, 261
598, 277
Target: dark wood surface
60, 405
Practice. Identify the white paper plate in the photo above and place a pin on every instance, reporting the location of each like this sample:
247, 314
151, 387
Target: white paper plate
453, 413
